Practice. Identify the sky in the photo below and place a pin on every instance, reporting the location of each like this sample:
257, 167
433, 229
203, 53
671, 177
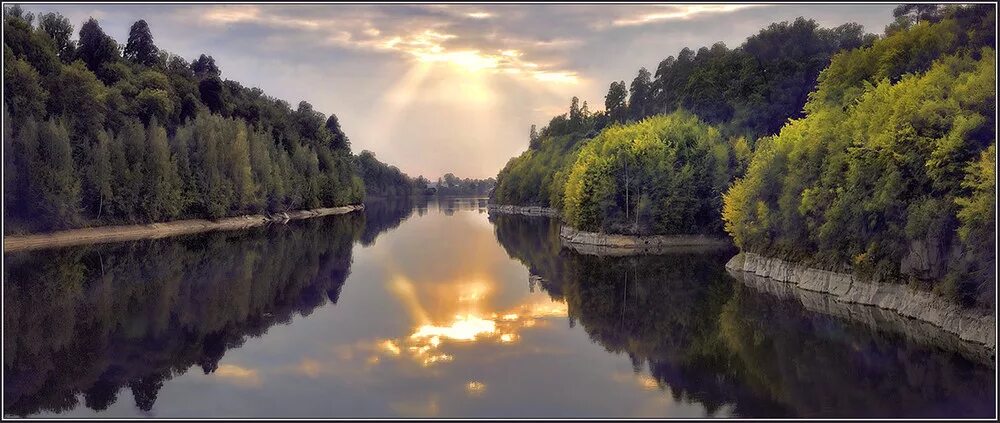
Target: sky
453, 88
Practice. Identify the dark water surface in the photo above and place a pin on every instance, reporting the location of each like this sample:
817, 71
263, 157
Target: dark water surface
436, 309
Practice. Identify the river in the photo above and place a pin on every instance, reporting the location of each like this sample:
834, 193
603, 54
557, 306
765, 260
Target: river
416, 308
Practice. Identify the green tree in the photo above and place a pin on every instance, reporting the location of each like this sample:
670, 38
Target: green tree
60, 30
616, 102
639, 95
140, 48
95, 47
54, 183
78, 95
25, 95
212, 94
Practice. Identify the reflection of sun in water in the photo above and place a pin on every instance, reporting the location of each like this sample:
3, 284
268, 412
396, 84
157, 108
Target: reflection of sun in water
428, 338
475, 387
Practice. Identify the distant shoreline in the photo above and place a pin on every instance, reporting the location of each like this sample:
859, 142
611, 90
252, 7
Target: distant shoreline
118, 233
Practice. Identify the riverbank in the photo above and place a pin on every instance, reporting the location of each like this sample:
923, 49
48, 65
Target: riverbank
525, 210
103, 234
616, 244
875, 318
974, 326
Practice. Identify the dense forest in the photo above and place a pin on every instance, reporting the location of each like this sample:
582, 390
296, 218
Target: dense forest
100, 133
746, 92
673, 170
892, 169
875, 153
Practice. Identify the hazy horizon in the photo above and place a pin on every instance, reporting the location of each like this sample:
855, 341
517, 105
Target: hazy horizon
434, 89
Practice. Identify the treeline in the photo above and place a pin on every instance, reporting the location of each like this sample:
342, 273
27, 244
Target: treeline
449, 184
892, 170
383, 180
749, 91
386, 181
886, 167
100, 133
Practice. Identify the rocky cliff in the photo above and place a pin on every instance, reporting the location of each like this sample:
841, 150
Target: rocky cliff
976, 326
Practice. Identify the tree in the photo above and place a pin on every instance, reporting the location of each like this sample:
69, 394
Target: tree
205, 67
96, 48
339, 140
16, 12
78, 95
615, 102
161, 178
60, 30
575, 115
54, 182
212, 94
140, 48
639, 95
154, 104
533, 139
25, 95
24, 42
98, 174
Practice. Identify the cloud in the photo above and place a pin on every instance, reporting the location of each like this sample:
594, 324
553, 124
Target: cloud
479, 15
678, 12
420, 85
427, 39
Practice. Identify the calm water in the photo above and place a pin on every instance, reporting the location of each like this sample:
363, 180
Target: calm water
437, 309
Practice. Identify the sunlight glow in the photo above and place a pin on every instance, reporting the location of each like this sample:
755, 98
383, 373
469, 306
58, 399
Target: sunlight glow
464, 328
472, 324
475, 387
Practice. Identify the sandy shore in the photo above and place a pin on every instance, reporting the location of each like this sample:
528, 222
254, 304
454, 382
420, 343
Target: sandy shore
102, 234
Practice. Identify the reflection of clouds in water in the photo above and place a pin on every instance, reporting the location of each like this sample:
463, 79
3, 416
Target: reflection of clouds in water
426, 408
238, 375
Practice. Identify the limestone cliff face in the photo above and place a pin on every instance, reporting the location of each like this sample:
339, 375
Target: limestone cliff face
969, 325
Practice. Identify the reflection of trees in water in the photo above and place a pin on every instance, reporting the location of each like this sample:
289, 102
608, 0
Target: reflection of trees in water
385, 214
99, 319
450, 204
533, 241
709, 340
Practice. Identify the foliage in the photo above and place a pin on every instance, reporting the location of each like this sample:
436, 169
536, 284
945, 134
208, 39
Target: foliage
529, 179
449, 184
886, 173
383, 180
749, 91
664, 175
100, 135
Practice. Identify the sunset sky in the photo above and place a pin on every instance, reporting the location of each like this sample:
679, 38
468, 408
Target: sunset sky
446, 88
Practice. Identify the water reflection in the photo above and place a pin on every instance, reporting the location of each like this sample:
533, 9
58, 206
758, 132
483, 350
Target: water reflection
703, 338
101, 319
431, 308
